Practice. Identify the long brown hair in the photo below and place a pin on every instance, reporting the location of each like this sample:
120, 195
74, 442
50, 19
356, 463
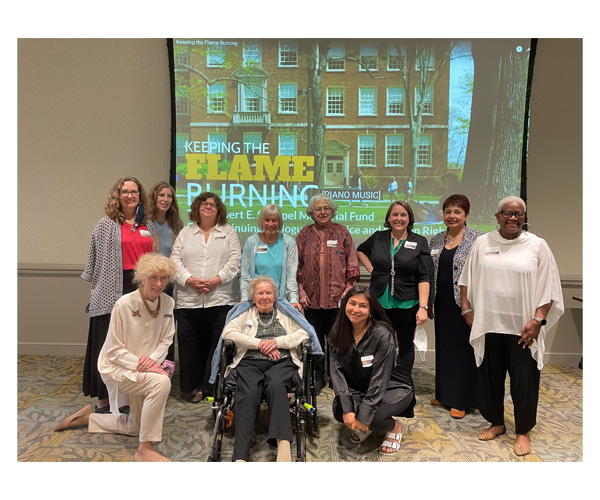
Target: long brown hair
173, 217
340, 337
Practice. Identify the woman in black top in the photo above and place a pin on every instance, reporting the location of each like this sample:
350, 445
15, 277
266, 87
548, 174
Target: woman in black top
371, 384
401, 282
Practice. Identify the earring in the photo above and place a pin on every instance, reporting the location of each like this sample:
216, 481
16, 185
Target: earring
526, 224
498, 226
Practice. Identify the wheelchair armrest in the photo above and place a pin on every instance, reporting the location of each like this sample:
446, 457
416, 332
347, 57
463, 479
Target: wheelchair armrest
306, 349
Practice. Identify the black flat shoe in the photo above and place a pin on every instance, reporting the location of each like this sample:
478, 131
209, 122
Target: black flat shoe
124, 409
104, 409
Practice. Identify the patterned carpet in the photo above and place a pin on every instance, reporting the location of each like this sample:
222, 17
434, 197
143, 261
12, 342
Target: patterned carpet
49, 388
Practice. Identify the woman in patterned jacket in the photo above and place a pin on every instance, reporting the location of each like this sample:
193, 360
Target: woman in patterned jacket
118, 241
455, 370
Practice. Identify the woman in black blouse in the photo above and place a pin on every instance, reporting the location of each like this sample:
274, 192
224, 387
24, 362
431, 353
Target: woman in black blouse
399, 263
370, 382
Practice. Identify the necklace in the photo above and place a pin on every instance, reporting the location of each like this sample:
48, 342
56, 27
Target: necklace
152, 313
264, 325
132, 226
361, 334
451, 241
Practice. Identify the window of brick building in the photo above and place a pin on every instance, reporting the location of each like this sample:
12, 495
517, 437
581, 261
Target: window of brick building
288, 53
335, 101
288, 98
366, 150
367, 101
336, 57
395, 101
394, 151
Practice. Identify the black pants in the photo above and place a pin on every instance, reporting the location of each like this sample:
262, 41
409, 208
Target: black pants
256, 377
503, 354
198, 333
404, 322
382, 420
322, 321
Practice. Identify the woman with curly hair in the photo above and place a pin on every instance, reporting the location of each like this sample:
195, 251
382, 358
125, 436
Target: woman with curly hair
118, 241
140, 332
207, 255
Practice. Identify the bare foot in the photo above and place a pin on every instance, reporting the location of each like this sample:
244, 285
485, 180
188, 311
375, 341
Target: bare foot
397, 430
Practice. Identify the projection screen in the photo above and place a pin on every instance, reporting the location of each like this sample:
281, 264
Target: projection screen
366, 121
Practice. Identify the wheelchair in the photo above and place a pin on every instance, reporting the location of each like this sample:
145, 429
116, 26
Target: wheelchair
303, 408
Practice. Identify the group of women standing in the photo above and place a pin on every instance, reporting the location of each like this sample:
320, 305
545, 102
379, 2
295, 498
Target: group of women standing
478, 288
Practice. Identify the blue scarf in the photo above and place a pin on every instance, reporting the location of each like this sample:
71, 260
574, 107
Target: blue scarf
282, 305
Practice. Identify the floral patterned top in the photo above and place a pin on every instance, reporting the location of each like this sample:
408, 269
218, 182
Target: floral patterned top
462, 252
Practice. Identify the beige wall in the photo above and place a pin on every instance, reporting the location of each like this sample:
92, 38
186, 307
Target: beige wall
93, 110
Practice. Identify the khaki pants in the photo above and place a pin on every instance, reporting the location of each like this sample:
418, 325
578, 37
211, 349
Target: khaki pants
147, 400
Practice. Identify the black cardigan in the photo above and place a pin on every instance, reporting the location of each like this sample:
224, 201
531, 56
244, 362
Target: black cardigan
411, 265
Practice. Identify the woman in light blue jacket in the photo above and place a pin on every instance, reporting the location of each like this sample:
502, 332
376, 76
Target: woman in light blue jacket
273, 253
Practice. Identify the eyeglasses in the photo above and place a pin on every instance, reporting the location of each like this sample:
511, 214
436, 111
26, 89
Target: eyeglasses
125, 194
208, 205
322, 209
508, 215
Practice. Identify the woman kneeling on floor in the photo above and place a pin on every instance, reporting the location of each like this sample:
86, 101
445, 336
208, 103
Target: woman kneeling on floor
140, 333
370, 382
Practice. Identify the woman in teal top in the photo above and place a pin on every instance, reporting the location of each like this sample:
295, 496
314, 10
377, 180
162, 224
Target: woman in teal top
273, 253
399, 262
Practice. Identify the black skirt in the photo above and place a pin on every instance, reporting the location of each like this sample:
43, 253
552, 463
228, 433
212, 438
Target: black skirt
455, 368
93, 385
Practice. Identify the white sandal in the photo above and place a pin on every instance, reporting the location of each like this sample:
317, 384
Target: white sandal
390, 444
360, 435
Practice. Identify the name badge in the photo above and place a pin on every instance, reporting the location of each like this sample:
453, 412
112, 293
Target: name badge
249, 323
435, 252
367, 361
219, 236
410, 244
492, 250
168, 313
144, 232
262, 249
331, 243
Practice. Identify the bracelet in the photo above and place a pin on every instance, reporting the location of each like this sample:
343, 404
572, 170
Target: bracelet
466, 311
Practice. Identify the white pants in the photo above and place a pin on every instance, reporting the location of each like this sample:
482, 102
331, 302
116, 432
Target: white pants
147, 401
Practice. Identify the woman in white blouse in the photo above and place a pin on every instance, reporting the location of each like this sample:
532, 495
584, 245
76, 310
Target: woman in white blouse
140, 332
207, 256
510, 295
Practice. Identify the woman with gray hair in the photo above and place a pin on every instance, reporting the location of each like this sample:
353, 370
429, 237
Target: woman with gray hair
510, 295
140, 333
327, 269
268, 358
271, 252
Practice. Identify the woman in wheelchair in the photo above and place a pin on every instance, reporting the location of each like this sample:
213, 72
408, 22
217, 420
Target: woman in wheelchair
371, 384
268, 358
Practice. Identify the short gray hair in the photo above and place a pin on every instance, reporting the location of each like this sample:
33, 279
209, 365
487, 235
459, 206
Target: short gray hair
254, 282
267, 211
511, 199
310, 209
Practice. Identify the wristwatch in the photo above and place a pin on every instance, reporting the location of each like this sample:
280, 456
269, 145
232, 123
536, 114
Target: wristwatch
424, 307
541, 321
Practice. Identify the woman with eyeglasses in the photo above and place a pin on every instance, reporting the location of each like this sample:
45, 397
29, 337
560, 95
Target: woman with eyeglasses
207, 256
327, 269
118, 241
510, 296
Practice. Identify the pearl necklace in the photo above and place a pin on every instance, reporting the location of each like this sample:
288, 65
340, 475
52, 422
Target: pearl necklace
264, 325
